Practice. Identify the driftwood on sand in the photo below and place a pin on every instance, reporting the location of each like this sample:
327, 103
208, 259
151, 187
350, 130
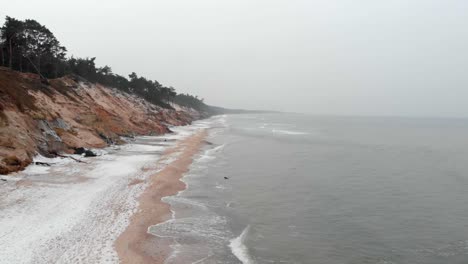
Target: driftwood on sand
70, 157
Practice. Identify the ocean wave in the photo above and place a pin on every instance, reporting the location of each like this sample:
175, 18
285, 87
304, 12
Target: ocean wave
178, 200
214, 150
209, 228
198, 232
220, 186
288, 132
239, 249
204, 158
209, 154
202, 260
264, 125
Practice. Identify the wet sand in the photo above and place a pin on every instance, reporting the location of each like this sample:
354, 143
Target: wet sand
135, 245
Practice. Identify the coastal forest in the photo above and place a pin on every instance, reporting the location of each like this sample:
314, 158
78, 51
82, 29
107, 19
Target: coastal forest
28, 46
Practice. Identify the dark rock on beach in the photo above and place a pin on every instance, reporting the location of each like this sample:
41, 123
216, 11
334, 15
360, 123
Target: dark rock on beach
80, 151
89, 153
85, 152
42, 163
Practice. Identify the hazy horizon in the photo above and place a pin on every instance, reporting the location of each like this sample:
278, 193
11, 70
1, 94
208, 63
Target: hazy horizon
335, 57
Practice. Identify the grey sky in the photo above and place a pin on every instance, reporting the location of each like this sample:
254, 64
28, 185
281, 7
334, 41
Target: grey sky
354, 57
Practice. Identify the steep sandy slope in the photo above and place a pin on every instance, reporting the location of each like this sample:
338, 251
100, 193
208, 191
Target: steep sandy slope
71, 113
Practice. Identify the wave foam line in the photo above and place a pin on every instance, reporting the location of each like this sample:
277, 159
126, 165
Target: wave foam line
239, 249
288, 132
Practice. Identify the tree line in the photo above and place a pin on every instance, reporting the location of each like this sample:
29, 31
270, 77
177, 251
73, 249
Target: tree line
28, 46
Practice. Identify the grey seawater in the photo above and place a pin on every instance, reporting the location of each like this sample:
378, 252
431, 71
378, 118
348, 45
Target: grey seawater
309, 189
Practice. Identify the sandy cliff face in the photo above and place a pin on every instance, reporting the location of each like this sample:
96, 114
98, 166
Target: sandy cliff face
69, 113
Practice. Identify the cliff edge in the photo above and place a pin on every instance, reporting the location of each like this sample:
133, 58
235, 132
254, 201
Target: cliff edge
70, 113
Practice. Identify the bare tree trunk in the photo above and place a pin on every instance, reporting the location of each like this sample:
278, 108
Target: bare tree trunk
10, 64
21, 62
43, 79
3, 56
39, 64
34, 66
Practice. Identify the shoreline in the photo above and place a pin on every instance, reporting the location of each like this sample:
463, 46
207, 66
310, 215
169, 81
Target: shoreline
135, 244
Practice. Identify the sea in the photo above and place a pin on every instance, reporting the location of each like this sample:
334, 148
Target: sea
296, 188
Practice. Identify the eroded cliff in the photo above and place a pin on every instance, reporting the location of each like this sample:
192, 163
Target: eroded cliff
69, 113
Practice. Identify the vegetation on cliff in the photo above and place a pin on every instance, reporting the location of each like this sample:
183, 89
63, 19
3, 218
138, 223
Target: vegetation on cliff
28, 46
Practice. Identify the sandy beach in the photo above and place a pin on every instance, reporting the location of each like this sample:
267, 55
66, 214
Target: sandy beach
97, 211
135, 244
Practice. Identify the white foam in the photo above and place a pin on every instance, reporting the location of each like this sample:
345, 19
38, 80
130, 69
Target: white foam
204, 158
239, 249
201, 223
177, 199
209, 154
145, 148
175, 252
220, 186
288, 132
202, 259
214, 150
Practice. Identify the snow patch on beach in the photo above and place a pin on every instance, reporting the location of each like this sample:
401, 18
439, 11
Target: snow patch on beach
145, 148
51, 221
72, 212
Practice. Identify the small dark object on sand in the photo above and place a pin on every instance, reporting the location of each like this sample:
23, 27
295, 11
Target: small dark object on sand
3, 179
89, 153
42, 163
86, 152
226, 177
80, 151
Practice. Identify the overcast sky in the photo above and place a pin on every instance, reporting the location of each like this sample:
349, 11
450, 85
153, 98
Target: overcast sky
352, 57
